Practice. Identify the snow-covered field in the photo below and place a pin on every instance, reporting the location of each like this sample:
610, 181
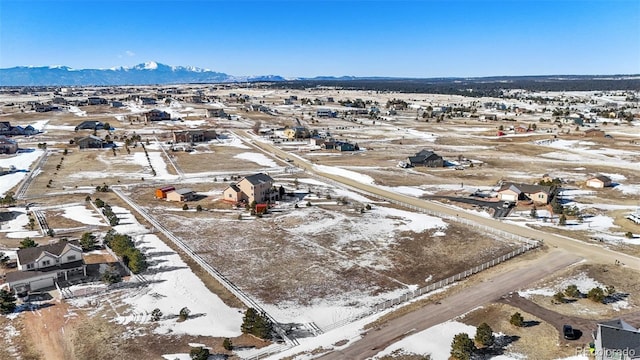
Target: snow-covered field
22, 162
171, 286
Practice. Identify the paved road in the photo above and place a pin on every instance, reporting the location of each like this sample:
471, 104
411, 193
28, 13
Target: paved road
593, 252
455, 305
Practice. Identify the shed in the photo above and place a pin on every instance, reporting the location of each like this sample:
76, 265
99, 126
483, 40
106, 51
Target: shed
181, 195
261, 208
161, 193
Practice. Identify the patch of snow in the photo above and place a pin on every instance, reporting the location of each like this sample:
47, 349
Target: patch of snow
21, 161
365, 179
81, 214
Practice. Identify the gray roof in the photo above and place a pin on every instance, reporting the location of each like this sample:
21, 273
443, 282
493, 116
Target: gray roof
257, 179
526, 188
184, 191
423, 156
618, 335
603, 178
235, 188
22, 275
29, 255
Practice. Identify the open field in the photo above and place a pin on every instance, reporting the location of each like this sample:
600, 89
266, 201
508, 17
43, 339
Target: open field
325, 252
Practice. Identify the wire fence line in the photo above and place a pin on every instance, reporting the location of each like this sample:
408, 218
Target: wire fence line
223, 280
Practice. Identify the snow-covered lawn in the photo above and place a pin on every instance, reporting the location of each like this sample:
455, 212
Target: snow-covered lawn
82, 214
172, 286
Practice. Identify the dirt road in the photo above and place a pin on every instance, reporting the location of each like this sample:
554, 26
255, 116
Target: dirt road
46, 329
463, 301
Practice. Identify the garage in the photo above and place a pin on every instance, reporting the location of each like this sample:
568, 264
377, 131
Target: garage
508, 196
41, 284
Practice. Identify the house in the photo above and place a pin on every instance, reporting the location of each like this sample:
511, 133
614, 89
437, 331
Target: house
215, 113
616, 339
326, 113
161, 193
90, 142
7, 146
538, 194
297, 132
426, 158
599, 182
157, 115
232, 194
345, 146
181, 195
146, 101
116, 104
257, 187
591, 132
5, 127
42, 266
90, 125
96, 101
193, 136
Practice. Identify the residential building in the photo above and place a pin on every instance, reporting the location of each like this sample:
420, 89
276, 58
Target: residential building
157, 115
181, 195
616, 340
257, 187
90, 142
215, 113
96, 101
297, 132
7, 146
193, 136
591, 132
42, 266
599, 182
326, 113
538, 194
426, 158
90, 125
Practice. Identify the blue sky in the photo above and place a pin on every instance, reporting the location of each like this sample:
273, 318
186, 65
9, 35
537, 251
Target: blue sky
311, 38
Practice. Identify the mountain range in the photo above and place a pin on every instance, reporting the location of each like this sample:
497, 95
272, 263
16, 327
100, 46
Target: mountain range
153, 73
149, 73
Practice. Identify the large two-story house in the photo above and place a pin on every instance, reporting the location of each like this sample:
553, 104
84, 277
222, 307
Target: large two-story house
42, 266
257, 187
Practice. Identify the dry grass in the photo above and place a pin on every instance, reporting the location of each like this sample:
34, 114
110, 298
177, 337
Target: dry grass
536, 342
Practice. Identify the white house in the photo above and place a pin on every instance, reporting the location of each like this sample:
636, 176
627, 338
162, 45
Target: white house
40, 267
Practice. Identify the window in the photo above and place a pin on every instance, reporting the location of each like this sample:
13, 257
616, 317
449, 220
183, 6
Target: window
46, 263
71, 258
29, 266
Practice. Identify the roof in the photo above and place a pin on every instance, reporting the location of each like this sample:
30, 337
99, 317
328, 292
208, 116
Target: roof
184, 191
90, 137
526, 188
22, 275
235, 188
617, 334
260, 178
602, 178
29, 255
423, 155
167, 188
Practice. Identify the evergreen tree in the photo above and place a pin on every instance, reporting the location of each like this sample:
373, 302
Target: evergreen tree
88, 241
199, 353
27, 243
7, 302
517, 320
462, 347
562, 221
484, 335
596, 294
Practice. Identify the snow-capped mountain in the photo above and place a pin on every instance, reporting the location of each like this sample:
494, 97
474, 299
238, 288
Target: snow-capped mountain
149, 73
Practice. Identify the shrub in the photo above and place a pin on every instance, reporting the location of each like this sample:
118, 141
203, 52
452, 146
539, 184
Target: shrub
629, 235
572, 291
156, 315
596, 294
517, 320
559, 297
185, 207
199, 353
184, 313
227, 344
610, 290
199, 208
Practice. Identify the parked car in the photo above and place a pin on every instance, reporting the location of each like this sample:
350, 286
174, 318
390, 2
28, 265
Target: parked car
568, 332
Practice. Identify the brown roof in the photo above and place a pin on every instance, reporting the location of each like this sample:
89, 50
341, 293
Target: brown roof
29, 255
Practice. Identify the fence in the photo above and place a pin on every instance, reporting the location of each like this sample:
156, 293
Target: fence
230, 286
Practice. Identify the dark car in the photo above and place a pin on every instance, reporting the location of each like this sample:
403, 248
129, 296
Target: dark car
568, 332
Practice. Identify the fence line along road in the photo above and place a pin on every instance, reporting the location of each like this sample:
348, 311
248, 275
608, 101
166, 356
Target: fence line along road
223, 280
